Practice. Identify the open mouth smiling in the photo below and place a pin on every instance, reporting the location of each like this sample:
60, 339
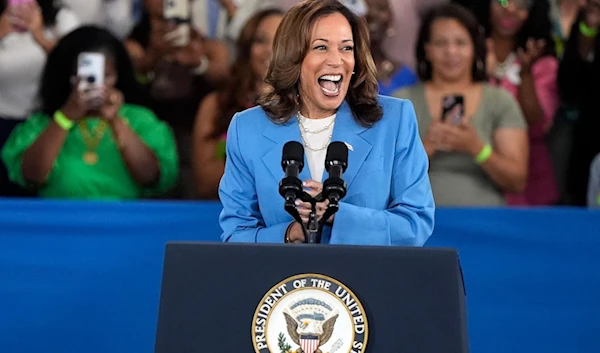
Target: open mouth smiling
330, 84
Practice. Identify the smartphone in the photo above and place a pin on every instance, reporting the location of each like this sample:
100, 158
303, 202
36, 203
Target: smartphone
453, 109
178, 12
90, 71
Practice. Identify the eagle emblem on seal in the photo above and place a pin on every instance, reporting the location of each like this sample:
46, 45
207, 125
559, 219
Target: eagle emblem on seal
310, 323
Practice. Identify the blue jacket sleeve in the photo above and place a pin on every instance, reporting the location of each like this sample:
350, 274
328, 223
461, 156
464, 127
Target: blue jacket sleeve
240, 219
409, 218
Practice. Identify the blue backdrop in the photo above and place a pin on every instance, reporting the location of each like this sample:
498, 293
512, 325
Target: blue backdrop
85, 277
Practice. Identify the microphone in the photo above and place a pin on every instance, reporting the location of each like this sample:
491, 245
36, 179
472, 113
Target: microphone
292, 162
336, 162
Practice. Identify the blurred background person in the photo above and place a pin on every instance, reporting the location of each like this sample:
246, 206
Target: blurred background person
96, 143
254, 51
478, 157
114, 15
579, 82
223, 20
521, 59
563, 13
392, 75
177, 78
27, 33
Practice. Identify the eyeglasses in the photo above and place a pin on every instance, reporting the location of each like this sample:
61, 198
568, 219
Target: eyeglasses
520, 4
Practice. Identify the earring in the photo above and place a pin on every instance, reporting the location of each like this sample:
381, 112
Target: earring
390, 32
353, 72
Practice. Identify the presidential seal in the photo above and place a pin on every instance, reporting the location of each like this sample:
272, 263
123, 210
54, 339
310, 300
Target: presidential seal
309, 313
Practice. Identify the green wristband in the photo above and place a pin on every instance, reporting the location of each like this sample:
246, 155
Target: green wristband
587, 31
62, 120
485, 154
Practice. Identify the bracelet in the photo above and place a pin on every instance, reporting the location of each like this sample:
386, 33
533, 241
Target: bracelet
286, 239
587, 31
484, 154
62, 121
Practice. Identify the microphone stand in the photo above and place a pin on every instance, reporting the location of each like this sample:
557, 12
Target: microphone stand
314, 229
290, 207
314, 234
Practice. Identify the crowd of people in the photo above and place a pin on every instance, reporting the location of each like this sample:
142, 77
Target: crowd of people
522, 74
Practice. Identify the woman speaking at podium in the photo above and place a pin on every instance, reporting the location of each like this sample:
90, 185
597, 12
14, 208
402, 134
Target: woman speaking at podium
322, 87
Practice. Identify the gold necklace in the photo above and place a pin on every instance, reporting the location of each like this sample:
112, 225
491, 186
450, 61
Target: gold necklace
90, 156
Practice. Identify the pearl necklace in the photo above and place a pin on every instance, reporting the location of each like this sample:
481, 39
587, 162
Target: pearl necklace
304, 129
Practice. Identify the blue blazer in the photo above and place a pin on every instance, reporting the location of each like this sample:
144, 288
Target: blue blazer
389, 199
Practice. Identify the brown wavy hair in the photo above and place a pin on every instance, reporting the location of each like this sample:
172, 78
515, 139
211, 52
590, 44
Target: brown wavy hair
280, 100
237, 95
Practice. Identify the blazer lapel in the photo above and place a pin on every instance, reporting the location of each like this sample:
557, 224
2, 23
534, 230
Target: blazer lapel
347, 130
280, 135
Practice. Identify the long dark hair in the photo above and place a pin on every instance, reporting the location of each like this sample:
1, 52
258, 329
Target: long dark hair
292, 41
61, 65
235, 96
49, 10
467, 20
537, 26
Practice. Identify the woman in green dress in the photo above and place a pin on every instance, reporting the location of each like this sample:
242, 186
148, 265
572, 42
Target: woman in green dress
91, 144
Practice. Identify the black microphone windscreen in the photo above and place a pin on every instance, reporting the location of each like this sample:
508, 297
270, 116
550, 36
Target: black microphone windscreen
293, 151
337, 151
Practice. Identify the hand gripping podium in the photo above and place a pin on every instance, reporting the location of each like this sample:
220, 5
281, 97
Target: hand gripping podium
301, 298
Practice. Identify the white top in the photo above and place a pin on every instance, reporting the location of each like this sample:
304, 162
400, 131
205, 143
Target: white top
316, 135
114, 15
22, 62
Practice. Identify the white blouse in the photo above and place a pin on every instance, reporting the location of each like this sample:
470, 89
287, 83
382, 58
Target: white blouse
316, 136
22, 62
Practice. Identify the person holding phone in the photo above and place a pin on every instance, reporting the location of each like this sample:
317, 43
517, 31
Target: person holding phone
90, 140
179, 68
475, 135
28, 31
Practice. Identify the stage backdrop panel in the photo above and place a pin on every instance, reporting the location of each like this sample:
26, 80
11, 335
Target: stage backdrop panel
85, 277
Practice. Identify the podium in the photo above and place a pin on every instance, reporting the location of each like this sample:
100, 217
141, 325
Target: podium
306, 298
